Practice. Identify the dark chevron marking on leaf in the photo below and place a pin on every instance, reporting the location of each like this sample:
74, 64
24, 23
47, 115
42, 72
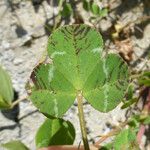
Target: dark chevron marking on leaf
79, 32
65, 34
33, 76
53, 43
37, 80
121, 82
118, 86
110, 75
82, 31
88, 45
66, 29
86, 31
77, 27
78, 50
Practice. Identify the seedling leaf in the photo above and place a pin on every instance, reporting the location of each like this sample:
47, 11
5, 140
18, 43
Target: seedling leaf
67, 10
6, 89
86, 5
55, 132
103, 12
95, 9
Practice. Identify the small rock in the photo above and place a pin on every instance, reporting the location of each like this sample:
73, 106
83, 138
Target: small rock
17, 61
8, 55
105, 24
38, 32
5, 45
26, 40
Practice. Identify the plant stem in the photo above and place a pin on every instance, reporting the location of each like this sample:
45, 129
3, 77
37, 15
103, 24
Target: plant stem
18, 101
82, 121
58, 17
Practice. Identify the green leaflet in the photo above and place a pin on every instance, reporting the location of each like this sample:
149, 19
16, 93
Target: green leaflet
95, 9
6, 89
103, 12
54, 94
15, 145
55, 132
78, 65
75, 51
107, 84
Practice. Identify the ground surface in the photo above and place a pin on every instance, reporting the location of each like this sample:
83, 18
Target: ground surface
23, 39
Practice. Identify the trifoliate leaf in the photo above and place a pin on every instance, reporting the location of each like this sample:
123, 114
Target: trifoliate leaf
78, 66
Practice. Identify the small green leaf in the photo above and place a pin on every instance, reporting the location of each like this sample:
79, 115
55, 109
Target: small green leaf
134, 121
86, 5
126, 139
67, 10
103, 12
130, 91
15, 145
6, 89
147, 120
129, 103
55, 132
95, 9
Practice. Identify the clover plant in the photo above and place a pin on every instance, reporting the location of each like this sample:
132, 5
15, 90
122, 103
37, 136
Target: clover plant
80, 69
